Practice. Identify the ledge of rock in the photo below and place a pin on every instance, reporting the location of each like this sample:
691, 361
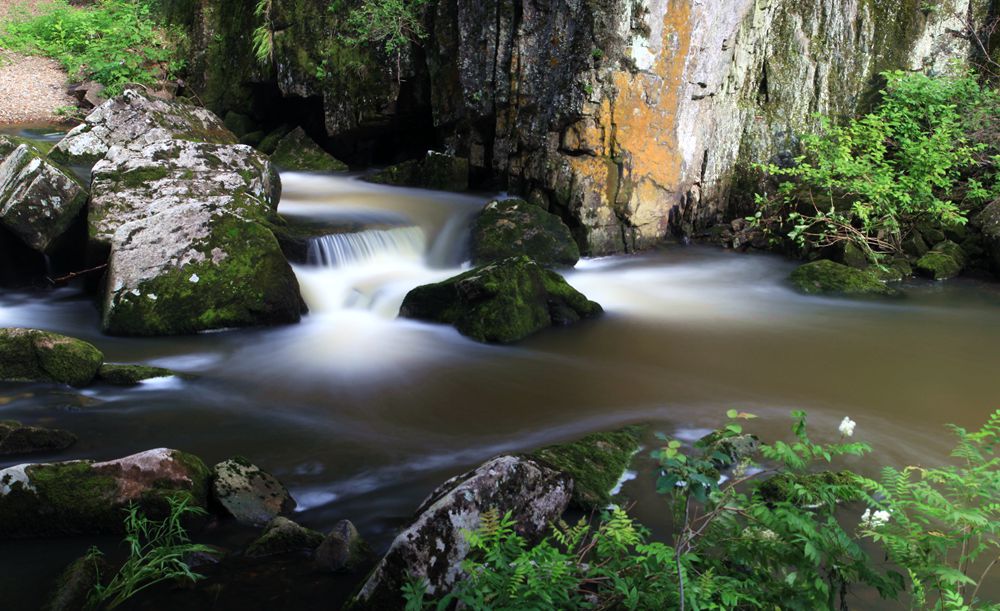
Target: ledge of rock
433, 546
502, 302
51, 499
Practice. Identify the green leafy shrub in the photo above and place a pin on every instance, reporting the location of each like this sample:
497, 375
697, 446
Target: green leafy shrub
158, 550
921, 156
114, 42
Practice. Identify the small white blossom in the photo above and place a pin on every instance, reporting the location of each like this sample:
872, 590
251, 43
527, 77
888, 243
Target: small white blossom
846, 427
871, 520
194, 278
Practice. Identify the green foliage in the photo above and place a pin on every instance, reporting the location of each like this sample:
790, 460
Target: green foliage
263, 35
114, 42
392, 25
919, 156
943, 523
157, 553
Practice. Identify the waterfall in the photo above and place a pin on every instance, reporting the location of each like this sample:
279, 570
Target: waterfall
369, 246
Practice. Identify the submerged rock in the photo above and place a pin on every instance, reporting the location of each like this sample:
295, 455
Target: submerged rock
130, 375
433, 546
31, 355
134, 120
343, 550
945, 261
297, 151
435, 171
15, 438
74, 497
595, 462
502, 302
282, 536
38, 200
507, 228
827, 277
247, 493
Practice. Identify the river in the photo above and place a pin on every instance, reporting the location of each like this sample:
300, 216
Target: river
361, 414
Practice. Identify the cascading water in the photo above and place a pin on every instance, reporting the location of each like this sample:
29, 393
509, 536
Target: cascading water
343, 249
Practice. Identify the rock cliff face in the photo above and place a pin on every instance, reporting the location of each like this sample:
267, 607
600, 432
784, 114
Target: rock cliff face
634, 120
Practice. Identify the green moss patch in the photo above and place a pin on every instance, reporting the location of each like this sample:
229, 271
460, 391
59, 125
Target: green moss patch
16, 439
828, 278
297, 151
130, 375
31, 355
797, 488
515, 227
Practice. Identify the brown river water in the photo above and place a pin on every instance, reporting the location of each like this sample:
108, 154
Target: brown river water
361, 415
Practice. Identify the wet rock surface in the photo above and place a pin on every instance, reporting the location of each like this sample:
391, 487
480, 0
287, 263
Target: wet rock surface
249, 494
825, 277
32, 355
282, 536
17, 439
513, 227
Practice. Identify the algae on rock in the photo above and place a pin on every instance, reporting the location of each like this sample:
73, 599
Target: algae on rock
31, 355
826, 277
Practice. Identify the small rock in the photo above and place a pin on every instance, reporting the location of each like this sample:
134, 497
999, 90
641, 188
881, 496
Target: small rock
249, 494
130, 375
827, 277
71, 590
513, 227
435, 171
282, 536
502, 302
945, 261
31, 355
343, 550
298, 152
16, 438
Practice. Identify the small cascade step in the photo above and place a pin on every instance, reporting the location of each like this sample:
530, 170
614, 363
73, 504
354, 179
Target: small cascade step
371, 245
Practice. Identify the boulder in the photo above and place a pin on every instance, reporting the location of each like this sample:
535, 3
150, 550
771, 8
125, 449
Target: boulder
15, 438
38, 200
53, 499
512, 227
595, 462
31, 355
432, 547
298, 152
134, 120
74, 586
945, 261
269, 142
827, 277
282, 536
130, 375
187, 226
343, 550
247, 493
502, 302
989, 224
435, 171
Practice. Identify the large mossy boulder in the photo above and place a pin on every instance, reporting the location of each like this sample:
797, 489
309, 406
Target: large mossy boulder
298, 152
945, 260
511, 227
38, 200
134, 120
249, 494
16, 439
53, 499
502, 302
191, 248
825, 277
32, 355
596, 463
433, 546
435, 171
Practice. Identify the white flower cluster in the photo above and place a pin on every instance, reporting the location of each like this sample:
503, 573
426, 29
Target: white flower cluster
872, 520
846, 427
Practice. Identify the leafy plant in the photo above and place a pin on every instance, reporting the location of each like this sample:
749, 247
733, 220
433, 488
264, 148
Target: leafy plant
263, 35
392, 24
114, 42
943, 524
157, 552
915, 158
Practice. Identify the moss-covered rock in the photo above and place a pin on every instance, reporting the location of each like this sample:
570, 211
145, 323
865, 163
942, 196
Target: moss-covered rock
595, 462
343, 550
269, 143
282, 536
240, 124
134, 120
15, 438
130, 375
31, 355
826, 277
435, 171
249, 494
512, 227
799, 488
88, 497
945, 261
502, 302
39, 201
73, 587
731, 448
297, 151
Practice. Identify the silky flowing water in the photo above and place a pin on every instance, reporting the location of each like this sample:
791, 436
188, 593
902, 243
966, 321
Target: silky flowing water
362, 414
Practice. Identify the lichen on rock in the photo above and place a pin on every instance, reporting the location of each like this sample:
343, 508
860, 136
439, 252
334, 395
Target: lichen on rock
250, 495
